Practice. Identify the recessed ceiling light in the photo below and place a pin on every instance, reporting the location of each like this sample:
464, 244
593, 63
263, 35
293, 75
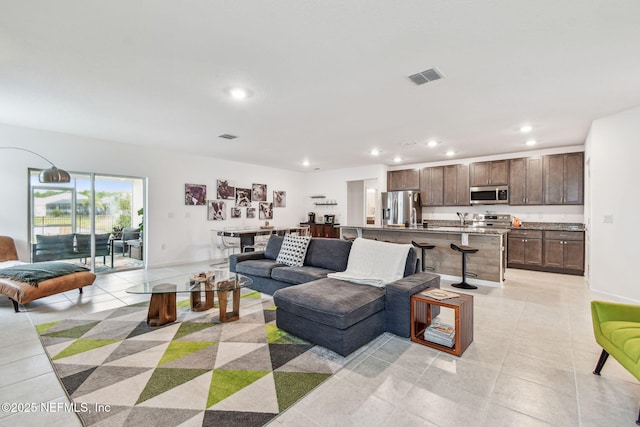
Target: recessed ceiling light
305, 163
375, 152
397, 159
450, 153
531, 142
432, 143
238, 93
526, 129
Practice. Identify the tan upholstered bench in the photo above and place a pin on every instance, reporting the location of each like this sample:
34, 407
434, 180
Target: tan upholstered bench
22, 293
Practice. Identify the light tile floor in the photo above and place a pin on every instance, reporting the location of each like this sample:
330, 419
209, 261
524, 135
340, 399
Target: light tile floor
530, 363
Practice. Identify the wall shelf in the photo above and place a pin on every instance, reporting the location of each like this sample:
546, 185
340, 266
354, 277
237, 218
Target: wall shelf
325, 204
317, 197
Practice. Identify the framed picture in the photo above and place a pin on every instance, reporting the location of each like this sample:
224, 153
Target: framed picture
329, 219
279, 199
266, 210
259, 193
236, 212
224, 190
251, 212
195, 194
216, 210
243, 197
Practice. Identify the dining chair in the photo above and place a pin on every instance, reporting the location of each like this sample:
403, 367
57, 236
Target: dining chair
259, 241
225, 243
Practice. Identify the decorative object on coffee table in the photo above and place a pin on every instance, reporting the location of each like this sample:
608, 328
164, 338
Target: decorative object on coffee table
202, 293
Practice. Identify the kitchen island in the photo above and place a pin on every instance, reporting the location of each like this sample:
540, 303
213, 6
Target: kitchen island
488, 263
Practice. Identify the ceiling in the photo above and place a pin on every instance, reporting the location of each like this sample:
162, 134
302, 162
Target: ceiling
328, 79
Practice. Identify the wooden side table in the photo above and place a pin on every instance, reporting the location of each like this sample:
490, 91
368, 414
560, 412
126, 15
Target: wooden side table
420, 317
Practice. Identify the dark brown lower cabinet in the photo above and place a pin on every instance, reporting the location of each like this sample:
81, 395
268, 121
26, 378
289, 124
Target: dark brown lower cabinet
553, 251
524, 248
564, 250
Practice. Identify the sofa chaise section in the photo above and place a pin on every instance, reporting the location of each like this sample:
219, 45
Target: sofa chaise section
345, 316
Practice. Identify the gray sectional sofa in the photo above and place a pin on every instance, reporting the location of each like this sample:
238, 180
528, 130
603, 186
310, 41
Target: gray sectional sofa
336, 314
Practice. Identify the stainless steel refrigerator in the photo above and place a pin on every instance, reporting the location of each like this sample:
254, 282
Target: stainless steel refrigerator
401, 208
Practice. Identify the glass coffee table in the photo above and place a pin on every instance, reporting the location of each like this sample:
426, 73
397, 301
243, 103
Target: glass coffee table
162, 307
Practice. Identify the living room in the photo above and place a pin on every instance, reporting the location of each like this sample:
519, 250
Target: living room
176, 234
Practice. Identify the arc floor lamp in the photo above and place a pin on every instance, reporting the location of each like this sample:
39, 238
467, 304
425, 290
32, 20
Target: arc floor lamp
51, 175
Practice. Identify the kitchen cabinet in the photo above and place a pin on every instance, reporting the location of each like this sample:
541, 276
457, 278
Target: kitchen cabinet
564, 250
489, 173
456, 185
324, 230
524, 248
525, 181
432, 186
406, 179
564, 179
553, 251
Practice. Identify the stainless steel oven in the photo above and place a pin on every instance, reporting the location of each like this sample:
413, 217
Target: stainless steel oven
489, 195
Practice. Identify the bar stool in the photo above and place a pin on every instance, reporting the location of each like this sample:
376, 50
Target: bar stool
464, 250
424, 246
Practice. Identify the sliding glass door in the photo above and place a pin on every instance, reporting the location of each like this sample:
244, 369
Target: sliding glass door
95, 220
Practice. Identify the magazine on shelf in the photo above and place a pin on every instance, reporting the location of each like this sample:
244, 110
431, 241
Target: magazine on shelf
439, 294
440, 333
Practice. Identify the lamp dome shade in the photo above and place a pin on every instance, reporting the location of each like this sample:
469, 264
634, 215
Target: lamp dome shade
54, 174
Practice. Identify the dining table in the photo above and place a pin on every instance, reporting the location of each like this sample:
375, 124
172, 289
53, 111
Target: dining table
247, 235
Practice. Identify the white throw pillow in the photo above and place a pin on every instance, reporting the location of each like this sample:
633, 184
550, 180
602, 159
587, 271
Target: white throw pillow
293, 250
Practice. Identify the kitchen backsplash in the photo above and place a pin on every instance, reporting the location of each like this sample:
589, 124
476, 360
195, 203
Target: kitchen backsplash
564, 213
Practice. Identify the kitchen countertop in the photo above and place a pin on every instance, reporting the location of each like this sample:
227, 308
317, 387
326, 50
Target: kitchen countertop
444, 226
551, 226
435, 229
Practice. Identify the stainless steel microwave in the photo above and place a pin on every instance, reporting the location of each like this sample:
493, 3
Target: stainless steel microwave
489, 195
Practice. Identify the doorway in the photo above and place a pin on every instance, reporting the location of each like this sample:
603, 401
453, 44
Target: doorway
363, 202
83, 221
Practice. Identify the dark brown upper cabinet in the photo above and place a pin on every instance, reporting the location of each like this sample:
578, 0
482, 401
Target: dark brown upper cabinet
407, 179
456, 185
489, 173
432, 186
525, 181
564, 179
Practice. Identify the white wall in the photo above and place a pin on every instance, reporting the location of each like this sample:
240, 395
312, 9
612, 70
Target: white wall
333, 185
355, 202
183, 230
612, 152
573, 214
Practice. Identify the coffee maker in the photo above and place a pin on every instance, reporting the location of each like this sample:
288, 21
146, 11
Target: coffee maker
312, 218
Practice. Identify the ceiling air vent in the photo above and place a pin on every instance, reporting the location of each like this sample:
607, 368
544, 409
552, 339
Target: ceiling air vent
227, 136
426, 76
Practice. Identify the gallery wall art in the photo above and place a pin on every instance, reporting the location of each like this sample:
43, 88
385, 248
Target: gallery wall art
195, 194
279, 199
266, 210
233, 198
224, 190
216, 210
243, 197
259, 193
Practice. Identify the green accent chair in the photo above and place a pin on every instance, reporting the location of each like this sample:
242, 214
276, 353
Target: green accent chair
617, 329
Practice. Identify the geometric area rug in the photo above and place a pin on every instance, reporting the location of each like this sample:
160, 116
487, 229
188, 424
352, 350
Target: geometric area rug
196, 371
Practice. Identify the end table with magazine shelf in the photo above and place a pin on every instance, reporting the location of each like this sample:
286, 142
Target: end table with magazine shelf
421, 318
